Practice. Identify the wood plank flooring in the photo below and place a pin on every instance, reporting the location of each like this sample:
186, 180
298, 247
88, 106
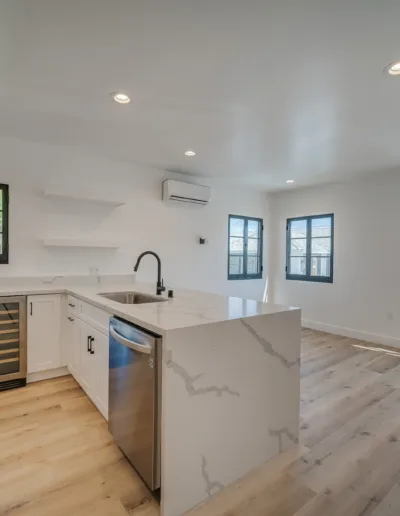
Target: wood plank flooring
58, 459
348, 460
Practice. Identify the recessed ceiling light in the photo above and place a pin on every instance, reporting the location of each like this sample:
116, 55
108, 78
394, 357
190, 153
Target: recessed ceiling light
393, 68
190, 152
121, 98
289, 181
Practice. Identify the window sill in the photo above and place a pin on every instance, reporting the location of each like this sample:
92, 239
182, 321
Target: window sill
311, 279
238, 278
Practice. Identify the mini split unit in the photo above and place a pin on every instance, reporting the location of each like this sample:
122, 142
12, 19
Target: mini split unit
178, 191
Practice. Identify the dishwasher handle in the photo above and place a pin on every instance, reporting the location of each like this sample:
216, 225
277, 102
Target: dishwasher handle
141, 348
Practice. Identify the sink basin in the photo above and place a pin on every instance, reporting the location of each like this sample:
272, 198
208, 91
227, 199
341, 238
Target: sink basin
132, 298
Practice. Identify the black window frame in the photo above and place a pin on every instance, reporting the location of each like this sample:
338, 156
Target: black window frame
245, 275
4, 255
308, 256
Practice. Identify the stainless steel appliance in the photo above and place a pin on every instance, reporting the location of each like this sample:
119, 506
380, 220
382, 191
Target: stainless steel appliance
12, 342
135, 397
132, 298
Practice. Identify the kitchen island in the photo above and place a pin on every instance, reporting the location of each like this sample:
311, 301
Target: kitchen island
231, 394
230, 383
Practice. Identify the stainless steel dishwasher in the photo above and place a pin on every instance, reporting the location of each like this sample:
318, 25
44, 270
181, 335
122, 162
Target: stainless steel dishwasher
135, 397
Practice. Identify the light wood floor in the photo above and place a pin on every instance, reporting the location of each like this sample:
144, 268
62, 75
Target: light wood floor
58, 459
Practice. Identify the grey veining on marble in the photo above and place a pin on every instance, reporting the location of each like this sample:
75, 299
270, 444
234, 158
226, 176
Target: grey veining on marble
267, 346
50, 281
211, 486
190, 380
230, 400
280, 433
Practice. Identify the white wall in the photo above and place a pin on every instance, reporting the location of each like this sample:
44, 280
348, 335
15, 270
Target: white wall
144, 223
364, 299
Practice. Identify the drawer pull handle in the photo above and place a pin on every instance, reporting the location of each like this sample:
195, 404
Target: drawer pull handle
71, 305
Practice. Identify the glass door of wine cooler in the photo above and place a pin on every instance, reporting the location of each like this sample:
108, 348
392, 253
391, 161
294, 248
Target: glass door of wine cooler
12, 342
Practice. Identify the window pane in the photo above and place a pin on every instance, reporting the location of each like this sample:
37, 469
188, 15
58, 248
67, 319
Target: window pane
253, 229
1, 221
236, 264
236, 245
252, 265
321, 246
298, 247
1, 243
1, 199
320, 266
245, 247
236, 227
321, 227
298, 229
253, 244
297, 266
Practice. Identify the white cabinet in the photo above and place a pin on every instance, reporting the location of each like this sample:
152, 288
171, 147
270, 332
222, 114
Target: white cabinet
87, 346
73, 346
44, 332
85, 342
100, 354
94, 366
87, 372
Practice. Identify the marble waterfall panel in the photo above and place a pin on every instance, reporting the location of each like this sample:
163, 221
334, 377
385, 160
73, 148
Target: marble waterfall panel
231, 395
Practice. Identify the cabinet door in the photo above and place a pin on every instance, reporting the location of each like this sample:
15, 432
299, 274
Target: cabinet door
44, 332
100, 356
73, 347
86, 359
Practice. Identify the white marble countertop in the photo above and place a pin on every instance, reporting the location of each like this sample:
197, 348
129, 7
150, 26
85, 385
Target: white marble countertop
187, 308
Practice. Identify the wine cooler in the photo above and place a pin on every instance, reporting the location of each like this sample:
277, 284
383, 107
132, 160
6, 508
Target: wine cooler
12, 342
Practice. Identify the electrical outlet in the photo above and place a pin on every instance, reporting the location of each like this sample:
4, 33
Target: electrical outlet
389, 316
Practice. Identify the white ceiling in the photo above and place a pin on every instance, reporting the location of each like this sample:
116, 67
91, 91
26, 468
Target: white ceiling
262, 90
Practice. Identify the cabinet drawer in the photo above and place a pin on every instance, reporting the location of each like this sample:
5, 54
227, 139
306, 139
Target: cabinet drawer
73, 305
98, 318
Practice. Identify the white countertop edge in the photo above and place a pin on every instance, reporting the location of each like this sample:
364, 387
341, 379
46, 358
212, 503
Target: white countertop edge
188, 305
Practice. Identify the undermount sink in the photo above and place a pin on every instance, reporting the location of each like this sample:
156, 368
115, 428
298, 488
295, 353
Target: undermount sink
132, 298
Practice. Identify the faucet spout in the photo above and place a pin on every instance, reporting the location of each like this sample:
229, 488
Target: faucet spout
160, 281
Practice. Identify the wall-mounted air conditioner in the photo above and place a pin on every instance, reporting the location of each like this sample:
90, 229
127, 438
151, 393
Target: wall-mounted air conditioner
186, 192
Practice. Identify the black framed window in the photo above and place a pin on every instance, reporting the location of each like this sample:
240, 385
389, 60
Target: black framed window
3, 223
309, 248
245, 244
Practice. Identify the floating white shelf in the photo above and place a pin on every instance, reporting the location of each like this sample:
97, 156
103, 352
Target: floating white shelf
54, 194
78, 242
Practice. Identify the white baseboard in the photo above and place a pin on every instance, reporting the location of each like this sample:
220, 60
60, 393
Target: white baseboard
46, 375
384, 340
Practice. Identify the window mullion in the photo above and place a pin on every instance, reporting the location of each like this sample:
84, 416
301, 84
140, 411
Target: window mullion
308, 248
245, 246
259, 249
229, 246
288, 224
